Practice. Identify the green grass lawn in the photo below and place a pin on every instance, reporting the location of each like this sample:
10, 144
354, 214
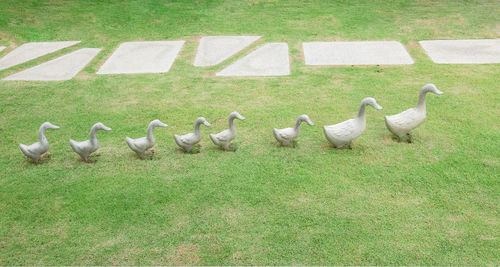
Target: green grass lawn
433, 202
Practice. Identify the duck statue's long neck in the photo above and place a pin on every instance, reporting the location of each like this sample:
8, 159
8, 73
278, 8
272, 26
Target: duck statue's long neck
197, 124
421, 100
41, 134
232, 128
362, 113
93, 137
150, 136
297, 125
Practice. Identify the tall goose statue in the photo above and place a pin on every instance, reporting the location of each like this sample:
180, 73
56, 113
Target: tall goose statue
36, 150
401, 124
187, 141
224, 138
141, 145
287, 135
87, 147
343, 133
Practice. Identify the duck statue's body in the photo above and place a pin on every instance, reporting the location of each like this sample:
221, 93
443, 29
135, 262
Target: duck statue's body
85, 148
401, 124
343, 133
224, 138
287, 135
36, 150
141, 145
187, 141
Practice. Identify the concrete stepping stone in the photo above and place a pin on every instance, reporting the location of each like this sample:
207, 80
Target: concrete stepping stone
356, 53
268, 60
2, 48
480, 51
29, 51
59, 69
142, 57
212, 50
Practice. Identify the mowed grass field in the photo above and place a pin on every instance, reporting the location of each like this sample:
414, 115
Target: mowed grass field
432, 202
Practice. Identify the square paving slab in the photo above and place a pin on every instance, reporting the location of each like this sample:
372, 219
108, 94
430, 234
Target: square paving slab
356, 53
268, 60
215, 49
463, 51
29, 51
59, 69
142, 57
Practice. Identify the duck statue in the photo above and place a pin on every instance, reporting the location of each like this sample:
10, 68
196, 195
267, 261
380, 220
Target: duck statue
141, 145
401, 124
286, 136
187, 141
36, 150
343, 133
87, 147
224, 138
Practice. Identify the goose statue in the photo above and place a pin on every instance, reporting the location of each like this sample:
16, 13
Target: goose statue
401, 124
87, 147
343, 133
141, 145
224, 138
187, 141
36, 150
287, 135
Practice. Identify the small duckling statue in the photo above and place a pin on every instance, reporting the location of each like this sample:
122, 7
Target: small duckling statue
36, 150
287, 135
401, 124
85, 148
343, 133
187, 141
224, 138
141, 145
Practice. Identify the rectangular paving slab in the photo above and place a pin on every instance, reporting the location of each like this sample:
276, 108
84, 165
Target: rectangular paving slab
268, 60
481, 51
142, 57
356, 53
215, 49
30, 51
59, 69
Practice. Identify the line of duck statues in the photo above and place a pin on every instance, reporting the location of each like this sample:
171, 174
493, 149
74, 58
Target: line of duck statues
340, 135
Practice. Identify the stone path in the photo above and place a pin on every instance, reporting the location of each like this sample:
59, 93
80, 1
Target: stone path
356, 53
59, 69
142, 57
463, 51
268, 60
29, 51
212, 50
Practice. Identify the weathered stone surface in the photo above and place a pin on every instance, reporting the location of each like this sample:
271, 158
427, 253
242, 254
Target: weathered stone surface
215, 49
479, 51
59, 69
29, 51
142, 57
356, 53
268, 60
